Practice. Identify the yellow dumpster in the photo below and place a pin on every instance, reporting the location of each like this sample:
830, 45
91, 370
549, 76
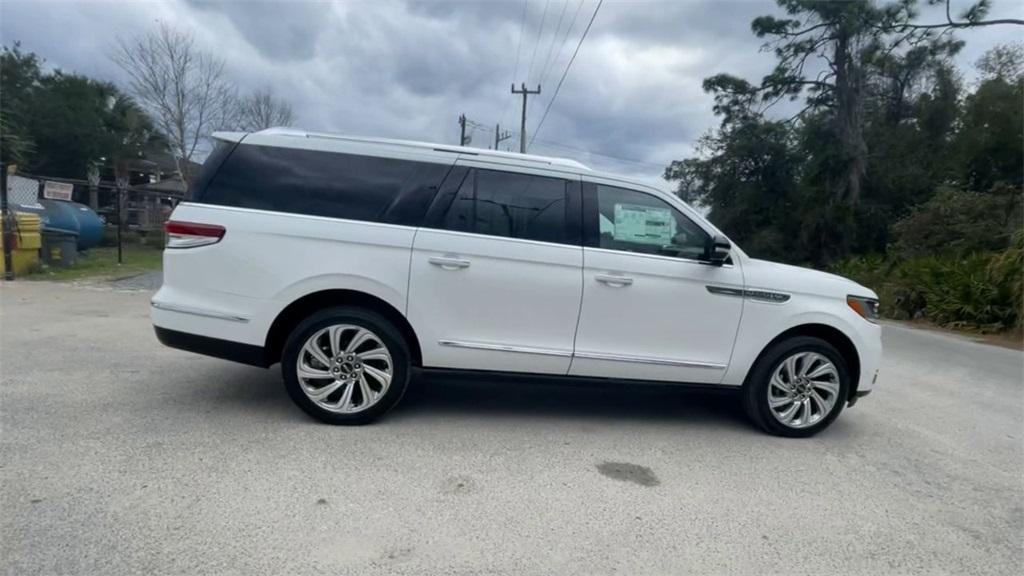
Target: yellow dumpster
27, 241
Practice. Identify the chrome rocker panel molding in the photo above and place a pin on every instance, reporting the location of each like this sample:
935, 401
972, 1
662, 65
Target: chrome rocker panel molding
505, 348
197, 312
650, 360
586, 355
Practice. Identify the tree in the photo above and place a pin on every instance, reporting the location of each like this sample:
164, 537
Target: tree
747, 180
19, 77
849, 61
261, 110
853, 40
990, 142
1003, 62
76, 121
182, 87
67, 122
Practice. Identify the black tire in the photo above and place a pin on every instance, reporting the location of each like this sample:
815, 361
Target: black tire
389, 336
755, 390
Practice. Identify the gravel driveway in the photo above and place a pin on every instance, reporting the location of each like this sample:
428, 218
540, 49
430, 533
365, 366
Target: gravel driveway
120, 456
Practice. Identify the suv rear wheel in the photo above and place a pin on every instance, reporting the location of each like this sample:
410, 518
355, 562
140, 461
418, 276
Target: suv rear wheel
345, 365
797, 387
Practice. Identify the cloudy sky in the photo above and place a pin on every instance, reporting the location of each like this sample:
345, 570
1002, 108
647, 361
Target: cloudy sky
631, 102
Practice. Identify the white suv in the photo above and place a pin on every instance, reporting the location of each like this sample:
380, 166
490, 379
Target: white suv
358, 262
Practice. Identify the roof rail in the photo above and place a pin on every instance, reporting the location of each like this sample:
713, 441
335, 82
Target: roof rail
481, 152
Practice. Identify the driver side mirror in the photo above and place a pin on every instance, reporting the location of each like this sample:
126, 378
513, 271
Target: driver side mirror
717, 251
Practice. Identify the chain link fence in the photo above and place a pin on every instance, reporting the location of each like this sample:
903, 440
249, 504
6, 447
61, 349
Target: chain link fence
140, 209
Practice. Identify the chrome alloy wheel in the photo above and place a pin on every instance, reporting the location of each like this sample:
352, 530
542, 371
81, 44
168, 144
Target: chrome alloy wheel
344, 368
803, 389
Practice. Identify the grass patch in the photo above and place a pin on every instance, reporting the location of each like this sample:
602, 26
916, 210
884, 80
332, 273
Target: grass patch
101, 264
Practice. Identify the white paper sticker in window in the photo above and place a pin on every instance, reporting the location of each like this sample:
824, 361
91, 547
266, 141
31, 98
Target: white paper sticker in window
644, 224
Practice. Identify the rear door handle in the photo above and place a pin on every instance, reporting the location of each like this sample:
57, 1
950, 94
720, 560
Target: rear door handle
449, 263
616, 281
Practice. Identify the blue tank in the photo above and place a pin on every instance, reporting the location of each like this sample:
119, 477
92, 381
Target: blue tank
59, 216
70, 217
90, 227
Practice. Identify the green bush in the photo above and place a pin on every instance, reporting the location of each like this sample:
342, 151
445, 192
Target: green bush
962, 293
982, 291
957, 222
1006, 269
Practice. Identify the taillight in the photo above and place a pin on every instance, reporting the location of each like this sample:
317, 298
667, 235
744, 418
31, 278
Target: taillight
190, 234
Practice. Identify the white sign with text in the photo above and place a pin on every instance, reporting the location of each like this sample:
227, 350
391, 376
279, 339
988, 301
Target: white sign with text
57, 190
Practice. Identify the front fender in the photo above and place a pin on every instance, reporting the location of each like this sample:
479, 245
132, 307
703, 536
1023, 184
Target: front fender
763, 322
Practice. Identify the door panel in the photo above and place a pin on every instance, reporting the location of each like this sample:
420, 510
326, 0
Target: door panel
488, 303
651, 318
495, 278
646, 312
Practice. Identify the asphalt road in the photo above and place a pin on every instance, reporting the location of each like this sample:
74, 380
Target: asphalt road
120, 456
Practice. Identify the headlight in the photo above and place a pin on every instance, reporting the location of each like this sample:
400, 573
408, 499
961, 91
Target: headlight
867, 308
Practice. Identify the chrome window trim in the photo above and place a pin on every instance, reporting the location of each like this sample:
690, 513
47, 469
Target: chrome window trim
649, 360
526, 241
198, 312
658, 257
505, 348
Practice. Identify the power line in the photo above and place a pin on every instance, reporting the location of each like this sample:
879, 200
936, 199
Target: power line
565, 39
566, 73
553, 144
536, 44
519, 49
554, 38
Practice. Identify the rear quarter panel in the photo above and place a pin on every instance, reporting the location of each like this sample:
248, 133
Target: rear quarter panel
268, 260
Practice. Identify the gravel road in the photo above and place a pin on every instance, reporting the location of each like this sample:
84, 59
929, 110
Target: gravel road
120, 456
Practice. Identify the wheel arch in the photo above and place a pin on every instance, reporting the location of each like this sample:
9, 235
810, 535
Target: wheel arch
829, 334
303, 307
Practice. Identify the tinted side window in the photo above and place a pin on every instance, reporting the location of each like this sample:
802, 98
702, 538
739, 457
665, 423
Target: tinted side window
321, 183
510, 205
201, 181
637, 222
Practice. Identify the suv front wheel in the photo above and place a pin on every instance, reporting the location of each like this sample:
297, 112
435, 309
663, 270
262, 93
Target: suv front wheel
345, 365
797, 387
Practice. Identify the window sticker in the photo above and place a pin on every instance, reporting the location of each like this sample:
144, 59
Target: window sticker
644, 224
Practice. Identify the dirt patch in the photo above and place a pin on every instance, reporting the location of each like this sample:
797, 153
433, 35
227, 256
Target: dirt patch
458, 485
627, 472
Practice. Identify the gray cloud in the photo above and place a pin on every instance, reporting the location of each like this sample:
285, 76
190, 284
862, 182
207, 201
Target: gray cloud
278, 32
408, 69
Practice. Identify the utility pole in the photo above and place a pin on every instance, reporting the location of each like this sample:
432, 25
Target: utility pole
463, 140
522, 129
121, 183
499, 137
7, 219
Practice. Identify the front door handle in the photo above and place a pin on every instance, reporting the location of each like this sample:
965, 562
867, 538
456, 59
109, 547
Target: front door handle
615, 281
449, 263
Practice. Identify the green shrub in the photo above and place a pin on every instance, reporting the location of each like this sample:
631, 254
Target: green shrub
1006, 269
983, 291
957, 222
962, 293
877, 273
